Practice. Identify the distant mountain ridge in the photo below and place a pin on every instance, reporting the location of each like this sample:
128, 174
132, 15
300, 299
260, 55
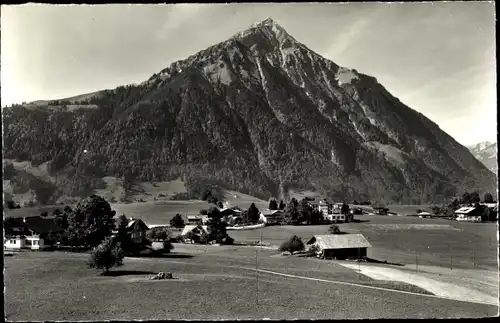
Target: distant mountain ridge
487, 153
259, 113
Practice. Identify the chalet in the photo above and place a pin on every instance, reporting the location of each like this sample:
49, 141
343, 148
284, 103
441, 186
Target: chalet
270, 217
136, 228
340, 246
32, 232
191, 233
469, 214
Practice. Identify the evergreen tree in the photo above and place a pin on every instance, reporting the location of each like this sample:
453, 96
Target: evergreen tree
253, 214
292, 212
273, 205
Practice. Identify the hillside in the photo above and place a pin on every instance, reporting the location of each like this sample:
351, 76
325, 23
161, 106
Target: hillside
486, 152
260, 114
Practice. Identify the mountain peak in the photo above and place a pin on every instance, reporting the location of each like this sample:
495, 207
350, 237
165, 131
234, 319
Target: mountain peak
266, 22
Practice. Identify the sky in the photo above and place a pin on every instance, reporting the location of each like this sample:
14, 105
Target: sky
437, 58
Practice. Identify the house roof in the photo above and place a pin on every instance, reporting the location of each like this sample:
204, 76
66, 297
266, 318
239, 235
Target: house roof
269, 212
465, 210
340, 241
36, 224
424, 213
189, 228
137, 222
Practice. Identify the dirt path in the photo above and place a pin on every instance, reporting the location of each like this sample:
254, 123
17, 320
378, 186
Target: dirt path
439, 285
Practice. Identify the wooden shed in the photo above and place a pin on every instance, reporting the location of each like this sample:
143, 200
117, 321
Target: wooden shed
340, 246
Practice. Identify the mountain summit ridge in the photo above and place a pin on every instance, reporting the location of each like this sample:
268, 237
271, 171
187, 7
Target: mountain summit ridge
260, 113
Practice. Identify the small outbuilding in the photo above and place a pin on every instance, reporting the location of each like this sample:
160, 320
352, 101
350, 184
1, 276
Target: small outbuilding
340, 246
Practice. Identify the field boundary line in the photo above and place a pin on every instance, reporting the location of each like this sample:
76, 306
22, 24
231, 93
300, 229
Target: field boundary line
366, 286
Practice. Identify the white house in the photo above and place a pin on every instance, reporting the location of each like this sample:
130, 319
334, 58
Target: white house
335, 217
29, 232
270, 217
468, 213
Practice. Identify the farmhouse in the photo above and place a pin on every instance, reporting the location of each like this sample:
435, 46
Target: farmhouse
469, 213
270, 217
29, 232
340, 246
192, 233
137, 230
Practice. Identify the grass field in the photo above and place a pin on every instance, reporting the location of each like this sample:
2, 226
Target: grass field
211, 283
406, 240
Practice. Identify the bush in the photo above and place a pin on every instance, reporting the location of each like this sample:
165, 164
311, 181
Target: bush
292, 245
158, 234
177, 221
165, 247
106, 255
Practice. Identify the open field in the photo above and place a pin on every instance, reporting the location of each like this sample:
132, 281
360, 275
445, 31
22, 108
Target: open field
407, 240
250, 284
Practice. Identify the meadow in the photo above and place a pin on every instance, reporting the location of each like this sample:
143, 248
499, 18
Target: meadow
210, 283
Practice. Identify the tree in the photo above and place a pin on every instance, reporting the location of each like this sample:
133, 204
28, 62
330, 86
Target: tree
158, 234
316, 217
334, 229
293, 244
253, 214
44, 214
305, 211
282, 205
436, 210
177, 221
488, 198
475, 198
106, 255
204, 212
122, 222
220, 205
213, 212
217, 230
273, 205
292, 212
344, 209
91, 221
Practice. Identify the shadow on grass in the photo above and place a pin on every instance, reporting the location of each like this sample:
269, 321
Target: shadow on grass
382, 262
161, 255
359, 221
116, 273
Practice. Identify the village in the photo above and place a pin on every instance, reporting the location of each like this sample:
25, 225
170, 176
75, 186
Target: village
46, 232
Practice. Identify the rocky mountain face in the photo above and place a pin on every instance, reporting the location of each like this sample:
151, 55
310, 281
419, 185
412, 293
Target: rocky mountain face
486, 152
259, 113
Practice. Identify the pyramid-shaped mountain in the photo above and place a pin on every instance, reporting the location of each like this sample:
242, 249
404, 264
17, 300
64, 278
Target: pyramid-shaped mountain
259, 113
